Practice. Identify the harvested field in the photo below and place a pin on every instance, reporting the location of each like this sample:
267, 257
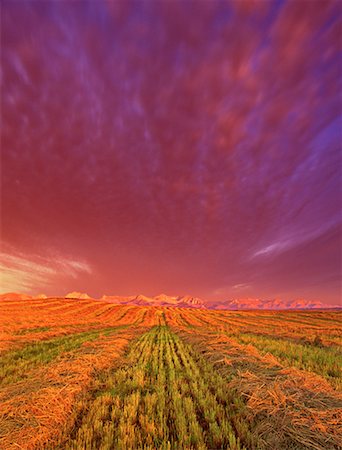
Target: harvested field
84, 374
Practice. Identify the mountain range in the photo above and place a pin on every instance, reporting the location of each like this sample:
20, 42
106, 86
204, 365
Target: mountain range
185, 301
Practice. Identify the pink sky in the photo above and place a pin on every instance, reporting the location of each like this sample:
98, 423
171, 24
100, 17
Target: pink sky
177, 147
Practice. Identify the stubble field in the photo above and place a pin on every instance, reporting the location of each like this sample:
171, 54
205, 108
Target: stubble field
84, 374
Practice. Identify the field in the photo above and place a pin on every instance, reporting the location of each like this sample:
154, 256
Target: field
84, 374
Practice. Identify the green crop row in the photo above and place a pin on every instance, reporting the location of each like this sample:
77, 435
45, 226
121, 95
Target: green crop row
326, 361
167, 397
31, 330
16, 364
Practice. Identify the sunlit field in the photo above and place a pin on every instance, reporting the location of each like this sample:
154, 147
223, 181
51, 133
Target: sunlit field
84, 374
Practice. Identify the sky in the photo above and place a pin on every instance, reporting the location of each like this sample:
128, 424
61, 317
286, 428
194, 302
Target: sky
183, 147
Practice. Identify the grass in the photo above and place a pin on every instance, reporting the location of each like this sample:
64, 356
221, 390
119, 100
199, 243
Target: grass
166, 396
77, 376
291, 408
326, 362
15, 365
32, 330
35, 410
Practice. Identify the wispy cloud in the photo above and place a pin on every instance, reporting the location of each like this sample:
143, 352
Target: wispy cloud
26, 273
222, 153
295, 239
240, 286
73, 267
276, 247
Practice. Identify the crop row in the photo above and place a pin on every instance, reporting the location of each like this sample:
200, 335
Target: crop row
290, 408
326, 362
44, 384
305, 352
166, 396
15, 365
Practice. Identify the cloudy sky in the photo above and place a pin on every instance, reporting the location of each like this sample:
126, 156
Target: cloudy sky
185, 147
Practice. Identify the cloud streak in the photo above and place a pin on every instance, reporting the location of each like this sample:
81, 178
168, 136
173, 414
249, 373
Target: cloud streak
20, 273
168, 142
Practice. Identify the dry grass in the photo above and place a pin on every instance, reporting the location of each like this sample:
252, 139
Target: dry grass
258, 355
36, 320
291, 408
32, 411
163, 396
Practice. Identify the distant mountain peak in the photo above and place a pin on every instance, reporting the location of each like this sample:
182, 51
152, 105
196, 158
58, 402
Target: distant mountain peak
143, 298
274, 304
163, 297
78, 295
186, 301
